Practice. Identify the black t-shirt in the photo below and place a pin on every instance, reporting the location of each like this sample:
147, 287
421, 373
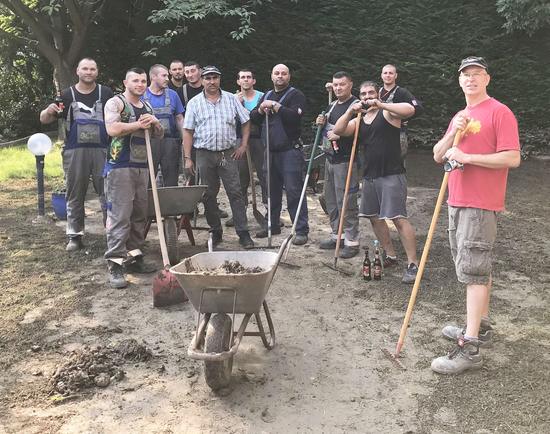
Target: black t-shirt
89, 99
191, 92
381, 148
345, 144
402, 95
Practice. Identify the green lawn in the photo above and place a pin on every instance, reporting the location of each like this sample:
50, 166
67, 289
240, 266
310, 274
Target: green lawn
17, 162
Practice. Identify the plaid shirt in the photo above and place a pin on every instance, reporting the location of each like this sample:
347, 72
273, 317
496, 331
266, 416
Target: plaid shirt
214, 123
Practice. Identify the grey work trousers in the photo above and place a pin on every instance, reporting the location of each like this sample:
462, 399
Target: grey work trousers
79, 165
334, 189
126, 193
256, 149
167, 152
212, 168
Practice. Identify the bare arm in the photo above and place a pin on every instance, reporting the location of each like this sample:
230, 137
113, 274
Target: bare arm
50, 114
179, 124
497, 160
396, 110
113, 124
441, 147
187, 147
344, 126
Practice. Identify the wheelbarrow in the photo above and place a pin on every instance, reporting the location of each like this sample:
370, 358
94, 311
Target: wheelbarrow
218, 298
176, 205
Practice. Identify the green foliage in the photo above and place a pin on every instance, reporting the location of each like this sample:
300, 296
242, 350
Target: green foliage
19, 163
524, 15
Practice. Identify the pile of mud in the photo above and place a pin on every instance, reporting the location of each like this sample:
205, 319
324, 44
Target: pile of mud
96, 366
228, 267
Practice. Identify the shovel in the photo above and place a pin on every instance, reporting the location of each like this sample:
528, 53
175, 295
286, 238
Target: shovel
395, 357
166, 289
257, 214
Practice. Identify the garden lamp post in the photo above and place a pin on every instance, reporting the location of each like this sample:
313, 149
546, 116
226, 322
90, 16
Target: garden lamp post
39, 144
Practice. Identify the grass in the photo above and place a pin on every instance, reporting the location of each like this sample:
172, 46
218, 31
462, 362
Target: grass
17, 162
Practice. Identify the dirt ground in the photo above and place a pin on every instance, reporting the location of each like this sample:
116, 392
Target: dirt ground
326, 373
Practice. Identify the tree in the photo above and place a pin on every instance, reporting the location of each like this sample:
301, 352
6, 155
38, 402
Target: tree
58, 29
525, 15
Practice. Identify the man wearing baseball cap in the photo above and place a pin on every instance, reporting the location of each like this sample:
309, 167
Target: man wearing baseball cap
489, 146
210, 126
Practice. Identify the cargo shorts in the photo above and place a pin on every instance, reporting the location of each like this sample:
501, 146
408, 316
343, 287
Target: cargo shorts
472, 234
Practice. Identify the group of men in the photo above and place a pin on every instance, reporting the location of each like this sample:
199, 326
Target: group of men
213, 130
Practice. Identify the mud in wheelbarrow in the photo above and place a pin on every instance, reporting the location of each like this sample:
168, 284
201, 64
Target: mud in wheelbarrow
218, 298
176, 205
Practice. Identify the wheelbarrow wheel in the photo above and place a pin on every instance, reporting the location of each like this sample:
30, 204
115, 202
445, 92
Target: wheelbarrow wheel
171, 234
217, 340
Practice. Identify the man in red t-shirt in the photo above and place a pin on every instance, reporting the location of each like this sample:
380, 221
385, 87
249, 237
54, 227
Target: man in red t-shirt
488, 148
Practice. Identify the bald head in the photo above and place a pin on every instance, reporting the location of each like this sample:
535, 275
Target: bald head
280, 75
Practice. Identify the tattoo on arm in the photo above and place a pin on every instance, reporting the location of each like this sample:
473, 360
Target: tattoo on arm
112, 110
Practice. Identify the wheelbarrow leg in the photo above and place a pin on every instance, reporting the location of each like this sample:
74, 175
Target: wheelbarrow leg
185, 223
269, 344
147, 227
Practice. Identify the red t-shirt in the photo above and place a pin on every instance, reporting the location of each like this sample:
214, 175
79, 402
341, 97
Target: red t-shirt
475, 186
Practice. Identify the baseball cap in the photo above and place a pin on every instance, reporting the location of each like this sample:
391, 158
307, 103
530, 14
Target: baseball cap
210, 69
473, 61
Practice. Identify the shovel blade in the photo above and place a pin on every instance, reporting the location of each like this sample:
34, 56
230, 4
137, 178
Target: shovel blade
166, 290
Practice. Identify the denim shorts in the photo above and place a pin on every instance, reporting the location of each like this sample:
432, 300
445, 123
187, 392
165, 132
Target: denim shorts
472, 234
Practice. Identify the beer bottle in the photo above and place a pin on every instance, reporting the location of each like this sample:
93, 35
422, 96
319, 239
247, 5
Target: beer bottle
366, 272
377, 264
59, 101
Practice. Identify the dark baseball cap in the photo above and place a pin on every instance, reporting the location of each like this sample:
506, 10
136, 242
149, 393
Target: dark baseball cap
473, 61
210, 69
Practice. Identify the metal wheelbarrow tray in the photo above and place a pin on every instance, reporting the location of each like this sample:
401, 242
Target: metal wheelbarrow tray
214, 296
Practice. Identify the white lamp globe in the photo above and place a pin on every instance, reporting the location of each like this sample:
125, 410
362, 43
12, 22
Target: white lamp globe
39, 144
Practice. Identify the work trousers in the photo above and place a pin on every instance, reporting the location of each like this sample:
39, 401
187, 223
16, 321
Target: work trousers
256, 149
287, 170
79, 165
334, 189
126, 193
167, 152
213, 166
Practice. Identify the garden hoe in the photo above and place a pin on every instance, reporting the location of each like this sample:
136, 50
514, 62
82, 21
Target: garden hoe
395, 357
345, 201
166, 289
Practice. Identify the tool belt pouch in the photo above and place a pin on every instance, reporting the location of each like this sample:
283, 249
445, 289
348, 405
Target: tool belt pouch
138, 151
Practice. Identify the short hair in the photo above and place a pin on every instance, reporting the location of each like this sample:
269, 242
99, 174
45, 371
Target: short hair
135, 70
370, 84
245, 70
89, 59
176, 61
153, 69
192, 63
392, 65
342, 74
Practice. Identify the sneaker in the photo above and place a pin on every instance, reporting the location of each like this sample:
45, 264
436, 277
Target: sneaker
389, 261
229, 222
349, 252
329, 244
485, 336
409, 276
463, 357
300, 239
116, 276
245, 241
74, 244
263, 232
139, 266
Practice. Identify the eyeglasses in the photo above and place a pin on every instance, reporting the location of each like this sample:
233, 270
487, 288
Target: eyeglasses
474, 75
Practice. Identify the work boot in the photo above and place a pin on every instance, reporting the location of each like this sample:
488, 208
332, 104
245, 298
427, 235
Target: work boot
463, 357
389, 261
245, 241
263, 232
139, 266
217, 238
485, 336
74, 244
349, 252
116, 276
229, 222
409, 276
300, 239
329, 244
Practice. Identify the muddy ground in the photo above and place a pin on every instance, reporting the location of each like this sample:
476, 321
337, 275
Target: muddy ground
326, 374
